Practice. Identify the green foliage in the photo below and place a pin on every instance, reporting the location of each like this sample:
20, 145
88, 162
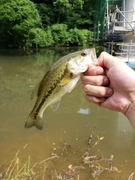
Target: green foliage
80, 37
63, 4
46, 13
48, 23
17, 18
60, 34
39, 38
62, 9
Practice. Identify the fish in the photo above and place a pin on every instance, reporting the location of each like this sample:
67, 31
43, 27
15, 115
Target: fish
60, 79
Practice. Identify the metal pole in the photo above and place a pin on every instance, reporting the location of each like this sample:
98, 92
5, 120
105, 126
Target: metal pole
124, 11
107, 18
125, 18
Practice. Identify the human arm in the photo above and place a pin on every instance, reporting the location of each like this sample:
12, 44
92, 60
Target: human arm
111, 85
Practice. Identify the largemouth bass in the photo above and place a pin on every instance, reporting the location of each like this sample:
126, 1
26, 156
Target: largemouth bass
61, 78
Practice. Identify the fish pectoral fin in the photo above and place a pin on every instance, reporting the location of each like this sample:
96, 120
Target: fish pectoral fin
73, 83
35, 91
72, 88
65, 81
55, 105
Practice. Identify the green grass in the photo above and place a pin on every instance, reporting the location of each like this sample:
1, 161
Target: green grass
15, 171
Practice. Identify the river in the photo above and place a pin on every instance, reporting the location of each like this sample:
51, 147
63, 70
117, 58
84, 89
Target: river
58, 151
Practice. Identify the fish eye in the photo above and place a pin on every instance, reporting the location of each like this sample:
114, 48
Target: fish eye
83, 53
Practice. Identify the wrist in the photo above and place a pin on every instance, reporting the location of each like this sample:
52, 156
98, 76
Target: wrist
130, 113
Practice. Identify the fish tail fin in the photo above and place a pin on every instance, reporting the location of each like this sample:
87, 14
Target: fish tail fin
32, 121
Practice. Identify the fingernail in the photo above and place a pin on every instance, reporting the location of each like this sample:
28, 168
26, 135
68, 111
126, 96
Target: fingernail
109, 91
86, 89
106, 81
98, 71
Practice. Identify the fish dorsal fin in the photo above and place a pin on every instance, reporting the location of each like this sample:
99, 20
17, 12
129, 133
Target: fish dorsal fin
35, 91
55, 105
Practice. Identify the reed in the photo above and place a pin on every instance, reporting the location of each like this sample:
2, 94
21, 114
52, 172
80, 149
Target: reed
49, 169
17, 171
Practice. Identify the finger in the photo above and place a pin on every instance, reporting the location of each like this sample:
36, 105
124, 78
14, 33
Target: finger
94, 99
98, 91
106, 60
95, 80
93, 71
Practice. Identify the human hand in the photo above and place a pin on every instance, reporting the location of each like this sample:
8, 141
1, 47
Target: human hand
111, 85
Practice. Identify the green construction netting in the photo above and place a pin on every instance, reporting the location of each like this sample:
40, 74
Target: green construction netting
100, 16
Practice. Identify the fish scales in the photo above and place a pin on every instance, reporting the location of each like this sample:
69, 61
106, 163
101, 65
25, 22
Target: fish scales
60, 79
55, 81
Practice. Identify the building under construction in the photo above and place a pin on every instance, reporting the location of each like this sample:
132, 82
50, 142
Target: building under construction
115, 26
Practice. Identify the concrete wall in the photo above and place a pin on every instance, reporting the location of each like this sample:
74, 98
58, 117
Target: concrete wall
129, 38
129, 5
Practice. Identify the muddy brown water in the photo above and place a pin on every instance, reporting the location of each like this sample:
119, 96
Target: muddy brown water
66, 131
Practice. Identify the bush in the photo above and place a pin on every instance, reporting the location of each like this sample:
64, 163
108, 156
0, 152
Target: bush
79, 37
17, 18
60, 34
39, 38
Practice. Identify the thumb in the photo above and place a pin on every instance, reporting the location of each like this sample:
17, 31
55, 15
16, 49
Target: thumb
107, 61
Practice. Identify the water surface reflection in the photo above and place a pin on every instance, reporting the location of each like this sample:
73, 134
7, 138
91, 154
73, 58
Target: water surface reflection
72, 123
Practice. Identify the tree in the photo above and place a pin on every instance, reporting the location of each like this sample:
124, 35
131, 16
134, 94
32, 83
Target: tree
17, 19
81, 14
60, 34
62, 8
79, 37
46, 13
39, 23
73, 13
